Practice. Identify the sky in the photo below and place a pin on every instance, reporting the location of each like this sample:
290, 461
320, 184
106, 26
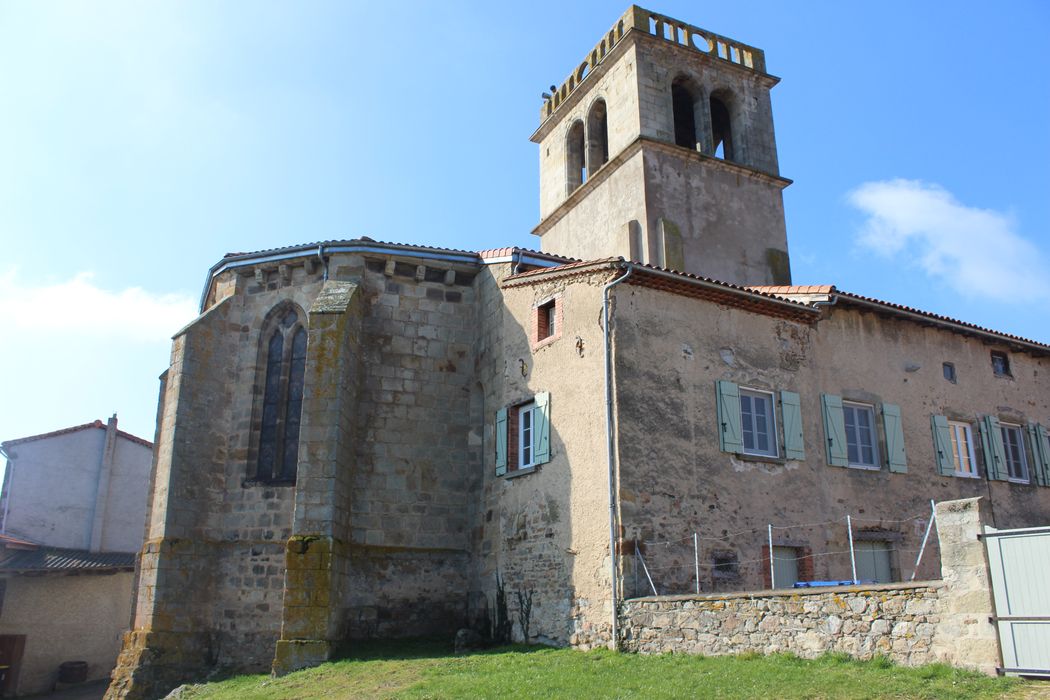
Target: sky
140, 142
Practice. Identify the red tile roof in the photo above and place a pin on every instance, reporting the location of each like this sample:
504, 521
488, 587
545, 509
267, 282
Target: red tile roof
777, 290
678, 283
946, 322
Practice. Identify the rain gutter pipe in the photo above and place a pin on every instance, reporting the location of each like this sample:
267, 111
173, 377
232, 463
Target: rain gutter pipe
611, 443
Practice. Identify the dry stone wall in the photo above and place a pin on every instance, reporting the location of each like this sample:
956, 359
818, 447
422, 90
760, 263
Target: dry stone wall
894, 620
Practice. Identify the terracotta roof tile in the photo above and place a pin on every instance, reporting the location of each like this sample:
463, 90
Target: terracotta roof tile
794, 289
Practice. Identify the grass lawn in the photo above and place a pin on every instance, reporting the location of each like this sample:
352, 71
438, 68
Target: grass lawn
430, 670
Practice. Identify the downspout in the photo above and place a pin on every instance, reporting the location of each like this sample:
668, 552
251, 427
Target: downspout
611, 443
324, 261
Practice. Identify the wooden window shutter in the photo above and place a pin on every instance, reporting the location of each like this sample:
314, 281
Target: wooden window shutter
1040, 454
791, 411
834, 430
541, 432
729, 433
501, 442
891, 424
942, 445
994, 452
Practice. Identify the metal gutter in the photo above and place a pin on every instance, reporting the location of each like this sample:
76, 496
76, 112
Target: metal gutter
611, 443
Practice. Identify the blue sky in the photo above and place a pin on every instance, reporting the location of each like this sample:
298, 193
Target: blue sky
139, 142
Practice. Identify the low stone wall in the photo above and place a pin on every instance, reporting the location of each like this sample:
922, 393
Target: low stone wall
894, 620
911, 623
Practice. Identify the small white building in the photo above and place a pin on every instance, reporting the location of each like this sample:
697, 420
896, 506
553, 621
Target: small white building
72, 516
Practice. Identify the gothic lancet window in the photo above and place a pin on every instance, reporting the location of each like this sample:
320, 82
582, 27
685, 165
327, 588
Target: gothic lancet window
284, 359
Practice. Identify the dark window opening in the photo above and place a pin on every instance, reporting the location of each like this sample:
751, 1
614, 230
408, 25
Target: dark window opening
1000, 364
725, 566
546, 320
597, 138
949, 372
282, 403
682, 105
574, 149
721, 131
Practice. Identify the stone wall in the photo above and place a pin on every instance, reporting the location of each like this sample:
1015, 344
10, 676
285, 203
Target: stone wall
910, 623
894, 620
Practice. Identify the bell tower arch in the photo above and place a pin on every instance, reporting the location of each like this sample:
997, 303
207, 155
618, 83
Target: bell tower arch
660, 148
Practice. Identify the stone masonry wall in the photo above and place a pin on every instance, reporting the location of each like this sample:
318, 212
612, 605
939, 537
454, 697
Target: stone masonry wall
894, 620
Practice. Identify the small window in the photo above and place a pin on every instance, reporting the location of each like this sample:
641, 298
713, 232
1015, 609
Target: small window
523, 435
526, 430
757, 423
861, 447
962, 449
547, 320
949, 372
1016, 460
725, 566
1000, 364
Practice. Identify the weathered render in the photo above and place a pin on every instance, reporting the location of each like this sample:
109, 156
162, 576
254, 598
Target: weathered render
360, 439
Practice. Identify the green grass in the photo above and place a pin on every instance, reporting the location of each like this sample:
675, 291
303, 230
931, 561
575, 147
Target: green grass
430, 670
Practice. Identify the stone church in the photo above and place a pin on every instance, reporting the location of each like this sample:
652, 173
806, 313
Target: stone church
354, 437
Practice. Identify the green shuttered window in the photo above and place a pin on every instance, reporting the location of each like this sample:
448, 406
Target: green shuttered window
747, 422
1040, 442
994, 451
501, 442
791, 408
834, 430
942, 445
850, 434
891, 423
729, 434
523, 435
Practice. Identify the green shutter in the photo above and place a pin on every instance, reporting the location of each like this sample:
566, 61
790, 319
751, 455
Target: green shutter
791, 410
891, 424
834, 430
994, 451
1040, 454
501, 442
942, 445
541, 432
729, 434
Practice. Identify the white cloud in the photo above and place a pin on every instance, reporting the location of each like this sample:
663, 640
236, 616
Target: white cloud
977, 252
78, 307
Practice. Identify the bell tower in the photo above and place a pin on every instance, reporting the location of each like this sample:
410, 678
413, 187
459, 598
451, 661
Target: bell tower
659, 148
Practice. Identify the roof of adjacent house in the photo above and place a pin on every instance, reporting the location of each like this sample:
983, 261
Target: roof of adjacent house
829, 294
74, 429
757, 298
53, 559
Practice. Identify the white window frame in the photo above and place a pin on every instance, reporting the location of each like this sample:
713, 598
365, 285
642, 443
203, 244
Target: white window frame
526, 413
1004, 428
771, 418
957, 428
867, 407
